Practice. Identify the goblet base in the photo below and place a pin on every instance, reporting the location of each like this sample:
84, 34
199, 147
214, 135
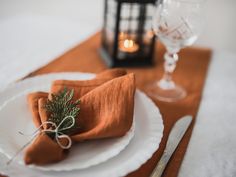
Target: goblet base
166, 94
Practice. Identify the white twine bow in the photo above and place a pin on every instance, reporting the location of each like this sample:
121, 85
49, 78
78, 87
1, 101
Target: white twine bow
58, 134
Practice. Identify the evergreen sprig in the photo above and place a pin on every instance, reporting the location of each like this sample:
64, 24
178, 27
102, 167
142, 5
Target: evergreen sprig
61, 106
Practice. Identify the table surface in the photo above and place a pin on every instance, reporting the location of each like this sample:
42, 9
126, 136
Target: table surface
40, 37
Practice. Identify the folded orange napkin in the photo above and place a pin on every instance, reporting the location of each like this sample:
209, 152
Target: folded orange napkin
106, 111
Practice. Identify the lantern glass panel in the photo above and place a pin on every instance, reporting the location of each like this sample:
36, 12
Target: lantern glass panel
135, 34
109, 25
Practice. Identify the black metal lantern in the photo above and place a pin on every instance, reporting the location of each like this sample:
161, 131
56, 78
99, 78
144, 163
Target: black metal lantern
127, 36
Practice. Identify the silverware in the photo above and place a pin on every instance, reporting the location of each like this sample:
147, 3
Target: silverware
174, 138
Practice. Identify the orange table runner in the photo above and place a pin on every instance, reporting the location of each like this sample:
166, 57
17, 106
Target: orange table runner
190, 73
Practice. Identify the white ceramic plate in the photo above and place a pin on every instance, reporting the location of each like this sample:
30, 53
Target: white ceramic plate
148, 132
15, 112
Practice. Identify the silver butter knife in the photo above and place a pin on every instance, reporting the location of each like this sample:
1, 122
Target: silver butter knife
174, 138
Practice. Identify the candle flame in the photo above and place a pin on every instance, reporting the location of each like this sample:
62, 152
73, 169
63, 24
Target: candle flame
128, 43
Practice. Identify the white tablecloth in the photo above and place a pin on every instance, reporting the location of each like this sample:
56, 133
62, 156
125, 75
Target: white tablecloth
29, 40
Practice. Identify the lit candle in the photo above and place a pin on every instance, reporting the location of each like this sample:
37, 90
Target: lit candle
128, 45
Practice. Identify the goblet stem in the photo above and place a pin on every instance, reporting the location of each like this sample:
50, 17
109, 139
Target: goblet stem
169, 66
166, 89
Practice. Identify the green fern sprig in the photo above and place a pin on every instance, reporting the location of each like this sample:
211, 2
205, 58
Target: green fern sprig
61, 106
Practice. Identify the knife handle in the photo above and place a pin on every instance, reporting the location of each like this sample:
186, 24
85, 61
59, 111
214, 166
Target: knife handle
157, 172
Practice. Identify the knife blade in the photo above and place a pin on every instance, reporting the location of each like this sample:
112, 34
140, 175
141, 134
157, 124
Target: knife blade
175, 136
